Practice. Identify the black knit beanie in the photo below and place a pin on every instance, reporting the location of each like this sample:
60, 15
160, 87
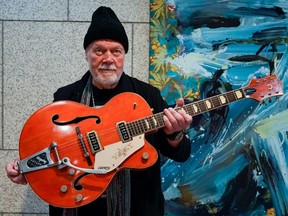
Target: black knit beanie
106, 25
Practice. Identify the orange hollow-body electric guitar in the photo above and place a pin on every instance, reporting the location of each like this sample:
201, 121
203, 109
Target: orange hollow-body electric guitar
69, 152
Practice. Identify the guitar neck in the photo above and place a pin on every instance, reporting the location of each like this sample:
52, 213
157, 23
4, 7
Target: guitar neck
154, 122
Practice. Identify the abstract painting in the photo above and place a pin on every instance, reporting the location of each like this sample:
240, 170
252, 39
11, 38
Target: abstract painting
200, 49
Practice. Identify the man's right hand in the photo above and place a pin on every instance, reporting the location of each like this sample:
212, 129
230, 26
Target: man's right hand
14, 174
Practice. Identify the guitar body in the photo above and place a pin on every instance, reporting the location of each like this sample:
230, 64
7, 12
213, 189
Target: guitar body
65, 124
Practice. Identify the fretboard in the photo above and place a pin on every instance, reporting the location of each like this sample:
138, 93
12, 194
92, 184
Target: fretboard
154, 122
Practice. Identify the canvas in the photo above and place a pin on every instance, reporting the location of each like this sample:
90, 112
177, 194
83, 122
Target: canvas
239, 157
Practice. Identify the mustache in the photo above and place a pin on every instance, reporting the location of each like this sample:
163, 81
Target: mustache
107, 67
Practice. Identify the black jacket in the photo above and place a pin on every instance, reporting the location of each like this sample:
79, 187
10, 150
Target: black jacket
146, 195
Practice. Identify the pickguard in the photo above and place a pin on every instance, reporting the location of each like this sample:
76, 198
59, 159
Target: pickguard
113, 155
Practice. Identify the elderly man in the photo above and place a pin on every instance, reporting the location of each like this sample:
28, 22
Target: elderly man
131, 192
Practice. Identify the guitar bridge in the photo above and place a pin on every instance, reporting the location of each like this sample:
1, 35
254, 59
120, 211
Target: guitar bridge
123, 132
40, 160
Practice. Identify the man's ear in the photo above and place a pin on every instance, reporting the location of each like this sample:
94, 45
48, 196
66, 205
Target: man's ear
86, 55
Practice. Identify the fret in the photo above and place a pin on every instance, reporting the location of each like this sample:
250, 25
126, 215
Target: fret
202, 106
131, 130
135, 128
223, 99
239, 94
160, 121
216, 101
195, 108
186, 109
147, 124
189, 109
152, 122
209, 104
230, 97
140, 128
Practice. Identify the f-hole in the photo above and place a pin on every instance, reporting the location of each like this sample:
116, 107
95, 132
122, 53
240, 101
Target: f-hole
78, 185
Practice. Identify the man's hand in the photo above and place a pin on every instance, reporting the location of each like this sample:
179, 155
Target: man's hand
176, 120
14, 174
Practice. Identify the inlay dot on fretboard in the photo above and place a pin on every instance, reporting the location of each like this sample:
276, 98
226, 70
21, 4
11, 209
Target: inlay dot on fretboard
195, 108
147, 124
154, 121
222, 99
208, 104
238, 94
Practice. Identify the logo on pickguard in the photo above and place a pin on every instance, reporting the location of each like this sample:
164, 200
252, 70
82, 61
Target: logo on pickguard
123, 151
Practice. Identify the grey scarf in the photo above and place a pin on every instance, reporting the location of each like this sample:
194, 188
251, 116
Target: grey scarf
118, 192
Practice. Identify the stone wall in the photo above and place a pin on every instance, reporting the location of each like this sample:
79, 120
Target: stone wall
41, 49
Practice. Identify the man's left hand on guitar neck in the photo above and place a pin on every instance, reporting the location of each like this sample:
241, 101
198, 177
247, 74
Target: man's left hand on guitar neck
175, 123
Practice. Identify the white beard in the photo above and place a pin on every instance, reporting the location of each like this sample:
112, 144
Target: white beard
107, 80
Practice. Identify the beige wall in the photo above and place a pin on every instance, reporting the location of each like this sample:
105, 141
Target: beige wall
40, 51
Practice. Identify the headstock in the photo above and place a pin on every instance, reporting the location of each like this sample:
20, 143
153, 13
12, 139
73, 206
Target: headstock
261, 88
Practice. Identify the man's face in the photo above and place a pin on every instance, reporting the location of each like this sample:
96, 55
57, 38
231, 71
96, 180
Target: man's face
106, 62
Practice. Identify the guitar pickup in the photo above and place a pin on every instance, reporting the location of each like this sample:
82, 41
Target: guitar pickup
123, 132
94, 142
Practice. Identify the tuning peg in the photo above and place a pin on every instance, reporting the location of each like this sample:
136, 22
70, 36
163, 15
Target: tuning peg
263, 102
269, 100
